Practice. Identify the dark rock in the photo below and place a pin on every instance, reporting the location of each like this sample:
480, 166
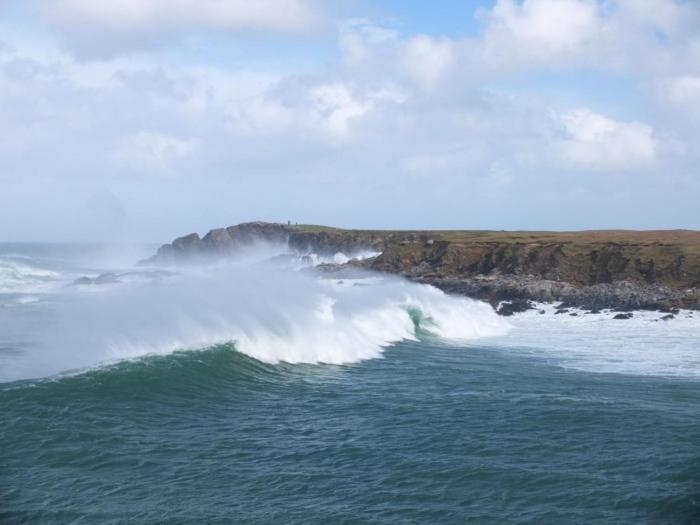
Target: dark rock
217, 239
508, 308
619, 296
113, 278
561, 311
623, 316
667, 317
187, 242
107, 278
573, 314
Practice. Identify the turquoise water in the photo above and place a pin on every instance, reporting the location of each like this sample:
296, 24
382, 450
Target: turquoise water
427, 434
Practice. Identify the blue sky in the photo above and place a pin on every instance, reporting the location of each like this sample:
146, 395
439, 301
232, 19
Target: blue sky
139, 120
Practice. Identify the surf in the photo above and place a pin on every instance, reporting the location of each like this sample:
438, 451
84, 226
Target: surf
272, 314
18, 275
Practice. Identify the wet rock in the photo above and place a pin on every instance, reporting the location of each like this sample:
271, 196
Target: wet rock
113, 278
667, 317
508, 308
597, 298
107, 278
627, 315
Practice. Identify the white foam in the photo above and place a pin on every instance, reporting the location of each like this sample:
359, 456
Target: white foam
272, 315
642, 345
314, 259
279, 315
22, 277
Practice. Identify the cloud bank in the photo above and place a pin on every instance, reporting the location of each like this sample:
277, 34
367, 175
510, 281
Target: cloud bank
554, 114
104, 28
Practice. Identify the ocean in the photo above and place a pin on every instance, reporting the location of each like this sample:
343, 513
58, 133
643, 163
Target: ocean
262, 391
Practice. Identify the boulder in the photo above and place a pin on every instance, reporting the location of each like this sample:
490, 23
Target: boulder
627, 315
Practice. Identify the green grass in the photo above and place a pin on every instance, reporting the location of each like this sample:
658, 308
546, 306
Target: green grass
689, 239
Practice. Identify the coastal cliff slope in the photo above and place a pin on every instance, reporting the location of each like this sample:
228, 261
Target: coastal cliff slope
620, 269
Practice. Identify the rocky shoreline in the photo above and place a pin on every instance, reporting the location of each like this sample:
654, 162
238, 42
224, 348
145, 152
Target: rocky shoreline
619, 270
512, 294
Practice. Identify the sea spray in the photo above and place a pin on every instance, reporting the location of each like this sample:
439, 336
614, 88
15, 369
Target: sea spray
17, 275
270, 313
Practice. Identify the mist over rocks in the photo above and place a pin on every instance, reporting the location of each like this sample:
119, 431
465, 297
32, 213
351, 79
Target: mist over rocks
607, 269
300, 239
219, 242
117, 278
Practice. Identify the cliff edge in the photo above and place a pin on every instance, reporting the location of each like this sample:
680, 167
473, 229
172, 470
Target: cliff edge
620, 269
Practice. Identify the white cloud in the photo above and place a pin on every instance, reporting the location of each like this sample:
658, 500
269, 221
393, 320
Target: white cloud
359, 41
428, 61
426, 123
152, 153
543, 31
99, 28
684, 94
337, 107
594, 141
640, 37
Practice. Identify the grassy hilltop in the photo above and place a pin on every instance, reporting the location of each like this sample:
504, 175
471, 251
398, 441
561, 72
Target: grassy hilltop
671, 257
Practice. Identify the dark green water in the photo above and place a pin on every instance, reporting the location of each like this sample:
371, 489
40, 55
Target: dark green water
429, 434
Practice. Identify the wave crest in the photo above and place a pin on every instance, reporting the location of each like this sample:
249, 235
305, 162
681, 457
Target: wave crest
19, 276
270, 314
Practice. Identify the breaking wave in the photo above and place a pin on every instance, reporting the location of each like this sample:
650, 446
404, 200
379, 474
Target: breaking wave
270, 314
314, 259
17, 275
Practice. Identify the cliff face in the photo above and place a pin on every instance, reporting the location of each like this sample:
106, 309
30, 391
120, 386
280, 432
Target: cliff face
580, 272
605, 269
580, 263
598, 269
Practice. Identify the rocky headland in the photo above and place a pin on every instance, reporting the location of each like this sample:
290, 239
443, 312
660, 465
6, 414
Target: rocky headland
594, 270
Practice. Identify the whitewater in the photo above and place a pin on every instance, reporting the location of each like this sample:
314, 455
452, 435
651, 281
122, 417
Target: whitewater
275, 307
271, 312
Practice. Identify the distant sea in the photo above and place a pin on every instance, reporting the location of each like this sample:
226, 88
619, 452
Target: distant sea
260, 391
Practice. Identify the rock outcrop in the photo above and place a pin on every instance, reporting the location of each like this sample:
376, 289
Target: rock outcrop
615, 269
219, 242
595, 269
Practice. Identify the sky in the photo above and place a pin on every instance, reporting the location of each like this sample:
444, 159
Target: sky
142, 120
